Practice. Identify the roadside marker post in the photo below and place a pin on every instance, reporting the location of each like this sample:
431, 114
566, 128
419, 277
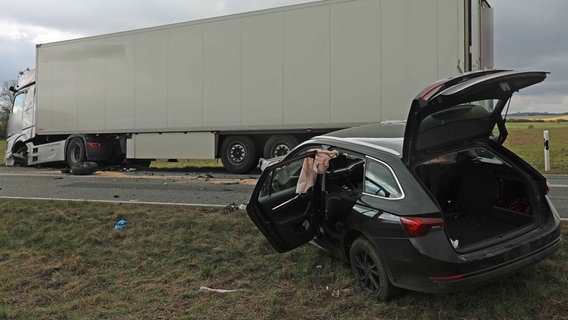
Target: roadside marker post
546, 152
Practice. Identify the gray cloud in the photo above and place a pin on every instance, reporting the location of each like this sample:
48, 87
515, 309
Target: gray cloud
531, 35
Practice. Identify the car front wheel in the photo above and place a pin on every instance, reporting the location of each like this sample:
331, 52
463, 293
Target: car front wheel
370, 270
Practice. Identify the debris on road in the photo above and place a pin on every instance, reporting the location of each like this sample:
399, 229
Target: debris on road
84, 168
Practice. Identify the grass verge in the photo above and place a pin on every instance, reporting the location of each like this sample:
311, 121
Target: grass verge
2, 151
183, 164
65, 260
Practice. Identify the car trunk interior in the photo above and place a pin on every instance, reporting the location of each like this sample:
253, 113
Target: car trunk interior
483, 199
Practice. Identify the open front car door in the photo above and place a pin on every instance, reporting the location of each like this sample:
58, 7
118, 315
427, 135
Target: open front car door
286, 218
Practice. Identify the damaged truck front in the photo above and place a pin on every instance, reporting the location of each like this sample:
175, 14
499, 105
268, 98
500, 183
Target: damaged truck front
20, 127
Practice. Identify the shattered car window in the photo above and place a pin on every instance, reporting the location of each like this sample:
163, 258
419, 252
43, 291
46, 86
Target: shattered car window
282, 178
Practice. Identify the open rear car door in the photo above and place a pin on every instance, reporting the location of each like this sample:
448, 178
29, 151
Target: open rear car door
463, 109
286, 219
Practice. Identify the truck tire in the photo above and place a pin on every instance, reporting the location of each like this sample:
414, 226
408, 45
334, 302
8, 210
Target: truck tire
75, 153
21, 156
238, 154
279, 145
84, 168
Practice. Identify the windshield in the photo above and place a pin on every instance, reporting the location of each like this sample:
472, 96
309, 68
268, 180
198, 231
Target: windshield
18, 103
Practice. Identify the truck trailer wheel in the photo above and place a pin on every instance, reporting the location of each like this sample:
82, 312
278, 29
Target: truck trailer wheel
75, 152
238, 154
279, 145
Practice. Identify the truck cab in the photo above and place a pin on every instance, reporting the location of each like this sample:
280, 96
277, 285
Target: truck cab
20, 127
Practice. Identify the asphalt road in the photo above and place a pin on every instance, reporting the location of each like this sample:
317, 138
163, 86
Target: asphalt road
559, 193
188, 188
217, 188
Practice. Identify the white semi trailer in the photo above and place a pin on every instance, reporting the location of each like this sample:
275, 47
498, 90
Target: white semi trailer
240, 86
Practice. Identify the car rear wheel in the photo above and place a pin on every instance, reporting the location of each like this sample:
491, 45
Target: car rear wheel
370, 270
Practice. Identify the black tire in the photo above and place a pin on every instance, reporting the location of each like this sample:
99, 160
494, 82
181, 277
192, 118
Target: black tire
279, 145
238, 154
75, 153
370, 269
21, 156
84, 168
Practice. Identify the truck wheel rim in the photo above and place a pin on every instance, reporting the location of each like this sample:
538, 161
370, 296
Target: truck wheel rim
75, 154
237, 153
281, 150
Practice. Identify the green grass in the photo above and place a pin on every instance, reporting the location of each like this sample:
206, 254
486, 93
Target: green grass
182, 164
527, 140
2, 153
64, 260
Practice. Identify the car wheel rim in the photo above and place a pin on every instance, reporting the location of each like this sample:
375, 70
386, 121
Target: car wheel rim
367, 272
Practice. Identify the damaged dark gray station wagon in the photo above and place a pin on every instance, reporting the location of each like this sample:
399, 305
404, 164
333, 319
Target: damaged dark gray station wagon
435, 204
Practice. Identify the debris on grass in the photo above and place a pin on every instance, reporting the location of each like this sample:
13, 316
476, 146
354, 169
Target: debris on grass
202, 288
121, 224
233, 207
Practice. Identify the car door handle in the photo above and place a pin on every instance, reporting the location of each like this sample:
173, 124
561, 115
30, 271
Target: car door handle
285, 202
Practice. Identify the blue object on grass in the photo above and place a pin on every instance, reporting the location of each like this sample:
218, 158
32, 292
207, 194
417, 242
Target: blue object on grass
121, 224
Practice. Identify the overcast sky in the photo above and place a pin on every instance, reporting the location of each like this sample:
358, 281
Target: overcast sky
529, 35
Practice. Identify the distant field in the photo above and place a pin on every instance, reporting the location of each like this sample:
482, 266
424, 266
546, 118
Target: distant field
527, 140
541, 118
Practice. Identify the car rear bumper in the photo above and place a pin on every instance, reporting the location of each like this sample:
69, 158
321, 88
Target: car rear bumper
426, 274
475, 279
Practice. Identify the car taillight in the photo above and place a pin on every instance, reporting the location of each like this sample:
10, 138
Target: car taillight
94, 145
430, 92
450, 278
418, 227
